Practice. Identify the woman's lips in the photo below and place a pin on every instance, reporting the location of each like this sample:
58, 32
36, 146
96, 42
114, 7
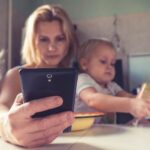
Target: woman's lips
52, 56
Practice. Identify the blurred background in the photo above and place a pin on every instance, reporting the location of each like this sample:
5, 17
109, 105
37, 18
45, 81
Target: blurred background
125, 22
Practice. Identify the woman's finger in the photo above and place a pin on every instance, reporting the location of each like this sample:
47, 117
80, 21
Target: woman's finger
32, 107
63, 119
45, 134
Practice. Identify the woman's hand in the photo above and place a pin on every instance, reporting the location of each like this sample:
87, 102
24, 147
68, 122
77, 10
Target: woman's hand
19, 128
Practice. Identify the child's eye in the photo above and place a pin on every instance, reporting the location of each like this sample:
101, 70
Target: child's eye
103, 61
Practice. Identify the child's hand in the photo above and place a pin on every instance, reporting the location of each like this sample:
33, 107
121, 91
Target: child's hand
140, 108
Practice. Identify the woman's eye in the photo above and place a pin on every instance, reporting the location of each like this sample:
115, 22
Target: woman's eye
43, 39
60, 39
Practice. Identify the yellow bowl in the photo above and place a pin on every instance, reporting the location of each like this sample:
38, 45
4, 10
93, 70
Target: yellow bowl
82, 123
84, 120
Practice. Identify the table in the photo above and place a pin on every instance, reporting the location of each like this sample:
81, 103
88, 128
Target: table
99, 137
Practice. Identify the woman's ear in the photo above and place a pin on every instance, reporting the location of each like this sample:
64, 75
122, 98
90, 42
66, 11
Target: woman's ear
83, 63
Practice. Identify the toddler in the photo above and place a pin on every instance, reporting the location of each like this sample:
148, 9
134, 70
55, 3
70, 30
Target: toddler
96, 90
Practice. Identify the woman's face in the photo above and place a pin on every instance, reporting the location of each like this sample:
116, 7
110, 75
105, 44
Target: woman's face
51, 43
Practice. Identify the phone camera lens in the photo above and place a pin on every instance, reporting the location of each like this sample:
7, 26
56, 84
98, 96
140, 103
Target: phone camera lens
49, 76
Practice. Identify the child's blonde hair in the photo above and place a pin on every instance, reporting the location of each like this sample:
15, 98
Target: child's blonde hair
90, 45
30, 54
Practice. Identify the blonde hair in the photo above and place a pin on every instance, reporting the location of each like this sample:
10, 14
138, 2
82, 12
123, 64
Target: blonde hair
30, 54
90, 45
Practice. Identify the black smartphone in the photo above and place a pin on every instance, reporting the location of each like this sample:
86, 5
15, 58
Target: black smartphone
43, 82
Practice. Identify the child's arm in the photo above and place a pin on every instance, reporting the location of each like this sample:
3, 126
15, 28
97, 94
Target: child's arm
107, 103
124, 93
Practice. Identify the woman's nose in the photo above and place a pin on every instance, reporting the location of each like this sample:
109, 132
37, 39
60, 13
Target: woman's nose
52, 47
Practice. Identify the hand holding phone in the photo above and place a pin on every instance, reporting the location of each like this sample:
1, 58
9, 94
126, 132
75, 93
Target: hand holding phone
43, 82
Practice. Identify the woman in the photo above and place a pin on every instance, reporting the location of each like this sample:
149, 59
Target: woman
50, 43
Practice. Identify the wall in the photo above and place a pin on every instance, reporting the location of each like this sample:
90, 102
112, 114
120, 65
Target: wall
87, 9
3, 36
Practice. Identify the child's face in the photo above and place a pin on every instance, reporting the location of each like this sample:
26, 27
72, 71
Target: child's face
51, 42
101, 64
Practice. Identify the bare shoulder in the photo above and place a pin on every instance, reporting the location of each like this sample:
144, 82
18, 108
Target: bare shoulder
12, 79
10, 86
13, 72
